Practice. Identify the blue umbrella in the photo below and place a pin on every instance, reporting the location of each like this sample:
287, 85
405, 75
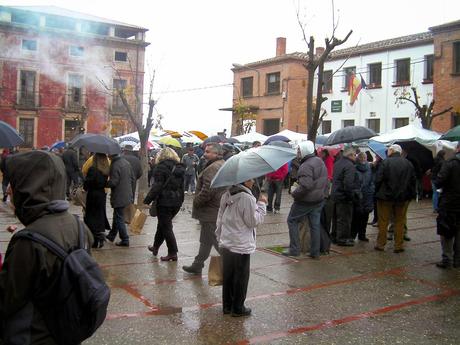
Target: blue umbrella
9, 136
57, 145
321, 140
252, 163
276, 138
378, 148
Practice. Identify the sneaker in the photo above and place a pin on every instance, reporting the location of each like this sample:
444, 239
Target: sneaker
244, 312
192, 269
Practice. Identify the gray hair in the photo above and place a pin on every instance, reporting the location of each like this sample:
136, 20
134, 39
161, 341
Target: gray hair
348, 151
216, 148
395, 148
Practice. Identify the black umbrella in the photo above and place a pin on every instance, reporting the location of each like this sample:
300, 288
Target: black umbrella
276, 138
9, 136
96, 143
349, 135
215, 139
232, 141
280, 143
420, 157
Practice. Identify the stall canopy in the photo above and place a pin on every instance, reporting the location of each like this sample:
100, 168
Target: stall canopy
251, 137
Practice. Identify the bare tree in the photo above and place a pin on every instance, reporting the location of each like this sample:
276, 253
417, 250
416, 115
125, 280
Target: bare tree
423, 112
135, 117
314, 63
246, 117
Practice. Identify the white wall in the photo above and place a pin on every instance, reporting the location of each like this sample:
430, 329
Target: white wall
380, 101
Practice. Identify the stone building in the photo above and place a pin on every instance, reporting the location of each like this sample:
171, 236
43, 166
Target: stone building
58, 70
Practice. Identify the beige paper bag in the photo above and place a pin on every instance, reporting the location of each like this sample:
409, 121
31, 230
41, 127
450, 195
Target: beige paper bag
137, 224
215, 273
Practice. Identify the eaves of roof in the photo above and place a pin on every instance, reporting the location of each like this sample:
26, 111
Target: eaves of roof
446, 27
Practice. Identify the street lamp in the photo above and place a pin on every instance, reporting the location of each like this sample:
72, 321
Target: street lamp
240, 66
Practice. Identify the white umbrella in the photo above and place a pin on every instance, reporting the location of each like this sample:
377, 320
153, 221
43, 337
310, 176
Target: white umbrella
251, 137
252, 163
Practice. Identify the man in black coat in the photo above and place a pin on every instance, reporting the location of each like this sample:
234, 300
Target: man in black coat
448, 179
121, 183
395, 187
72, 168
344, 191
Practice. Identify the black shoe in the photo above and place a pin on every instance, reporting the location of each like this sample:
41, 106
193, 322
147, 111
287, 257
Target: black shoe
244, 312
406, 238
192, 269
363, 239
169, 257
227, 311
153, 249
122, 244
269, 209
444, 264
350, 243
390, 237
288, 253
379, 249
398, 250
98, 244
314, 257
110, 238
5, 197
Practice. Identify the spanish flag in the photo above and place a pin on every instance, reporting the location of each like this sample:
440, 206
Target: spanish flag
354, 87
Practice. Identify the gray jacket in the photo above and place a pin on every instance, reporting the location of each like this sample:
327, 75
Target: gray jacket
190, 162
121, 183
312, 180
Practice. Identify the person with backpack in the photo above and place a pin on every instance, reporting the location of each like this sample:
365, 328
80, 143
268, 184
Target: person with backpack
168, 191
41, 287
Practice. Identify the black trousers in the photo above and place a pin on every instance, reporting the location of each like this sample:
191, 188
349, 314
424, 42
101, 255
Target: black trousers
341, 221
236, 278
359, 223
165, 229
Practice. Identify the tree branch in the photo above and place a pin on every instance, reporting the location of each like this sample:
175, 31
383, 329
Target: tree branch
442, 112
409, 100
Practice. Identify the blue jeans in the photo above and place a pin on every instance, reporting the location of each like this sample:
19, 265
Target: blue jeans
435, 197
189, 181
274, 187
296, 215
118, 225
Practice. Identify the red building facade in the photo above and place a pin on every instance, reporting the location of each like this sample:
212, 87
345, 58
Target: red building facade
59, 71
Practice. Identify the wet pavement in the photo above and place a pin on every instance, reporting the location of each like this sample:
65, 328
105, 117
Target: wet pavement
354, 295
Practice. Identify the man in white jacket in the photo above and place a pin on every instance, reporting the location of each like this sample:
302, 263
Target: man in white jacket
239, 214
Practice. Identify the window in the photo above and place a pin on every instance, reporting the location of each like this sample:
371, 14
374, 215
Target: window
29, 45
273, 83
428, 75
59, 22
326, 126
71, 129
402, 72
121, 56
26, 129
375, 75
348, 123
400, 122
347, 73
456, 64
246, 86
327, 81
117, 105
374, 124
27, 88
75, 91
271, 126
76, 51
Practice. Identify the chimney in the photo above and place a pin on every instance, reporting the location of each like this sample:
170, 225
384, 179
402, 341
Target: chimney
319, 51
280, 46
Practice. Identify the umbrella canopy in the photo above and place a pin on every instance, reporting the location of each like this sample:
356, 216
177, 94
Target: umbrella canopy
57, 145
280, 143
215, 139
251, 137
232, 140
9, 136
349, 135
293, 136
173, 134
420, 156
151, 145
170, 141
97, 143
199, 134
252, 163
321, 139
378, 148
276, 138
452, 135
408, 133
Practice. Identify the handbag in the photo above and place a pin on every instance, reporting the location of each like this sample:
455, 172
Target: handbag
153, 206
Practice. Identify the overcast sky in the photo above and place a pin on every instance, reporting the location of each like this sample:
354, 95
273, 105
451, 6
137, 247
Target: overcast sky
194, 43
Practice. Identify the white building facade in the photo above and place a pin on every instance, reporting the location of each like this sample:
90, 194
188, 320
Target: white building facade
390, 69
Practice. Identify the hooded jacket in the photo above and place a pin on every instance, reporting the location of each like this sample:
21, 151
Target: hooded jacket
30, 272
239, 214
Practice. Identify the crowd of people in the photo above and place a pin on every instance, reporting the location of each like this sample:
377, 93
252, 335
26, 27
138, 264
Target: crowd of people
332, 196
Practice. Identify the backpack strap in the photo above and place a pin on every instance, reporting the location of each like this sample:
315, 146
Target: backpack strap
81, 233
46, 242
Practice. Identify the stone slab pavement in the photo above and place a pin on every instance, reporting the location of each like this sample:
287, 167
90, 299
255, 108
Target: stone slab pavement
351, 296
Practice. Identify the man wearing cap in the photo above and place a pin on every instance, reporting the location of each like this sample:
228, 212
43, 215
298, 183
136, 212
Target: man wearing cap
308, 199
395, 187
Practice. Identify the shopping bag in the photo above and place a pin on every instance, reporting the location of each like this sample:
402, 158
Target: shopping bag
137, 224
128, 213
78, 196
215, 273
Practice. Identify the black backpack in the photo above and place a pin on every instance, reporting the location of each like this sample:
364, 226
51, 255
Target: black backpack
79, 305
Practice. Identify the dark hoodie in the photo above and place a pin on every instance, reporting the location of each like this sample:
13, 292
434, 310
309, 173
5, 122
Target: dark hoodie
30, 272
